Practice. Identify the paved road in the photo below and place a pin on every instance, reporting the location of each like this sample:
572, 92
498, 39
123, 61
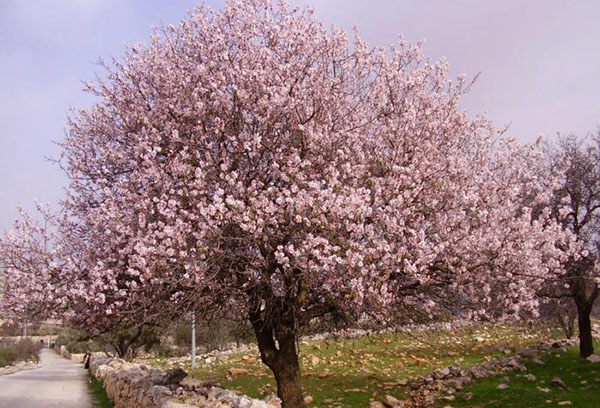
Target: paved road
60, 383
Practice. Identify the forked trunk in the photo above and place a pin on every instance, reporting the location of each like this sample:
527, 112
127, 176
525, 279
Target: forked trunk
281, 357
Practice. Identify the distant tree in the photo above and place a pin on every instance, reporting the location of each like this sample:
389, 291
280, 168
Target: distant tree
30, 265
575, 164
39, 284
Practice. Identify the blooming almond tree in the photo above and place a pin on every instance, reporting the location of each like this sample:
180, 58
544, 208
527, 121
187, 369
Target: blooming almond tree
43, 278
575, 163
29, 261
254, 160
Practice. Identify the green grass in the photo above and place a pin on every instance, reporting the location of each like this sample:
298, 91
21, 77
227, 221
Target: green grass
367, 368
98, 393
582, 381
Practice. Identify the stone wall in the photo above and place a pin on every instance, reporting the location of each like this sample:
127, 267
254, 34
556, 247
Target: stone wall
62, 350
20, 366
447, 380
77, 357
131, 385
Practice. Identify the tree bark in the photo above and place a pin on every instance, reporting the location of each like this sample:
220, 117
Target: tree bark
586, 341
282, 358
287, 375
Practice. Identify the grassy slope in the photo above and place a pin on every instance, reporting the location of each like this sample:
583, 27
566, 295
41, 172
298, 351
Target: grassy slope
99, 396
582, 381
367, 368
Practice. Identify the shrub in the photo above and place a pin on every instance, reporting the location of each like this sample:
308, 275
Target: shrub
8, 355
22, 350
28, 350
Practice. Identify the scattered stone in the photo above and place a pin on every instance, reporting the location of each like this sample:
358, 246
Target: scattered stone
235, 372
502, 386
402, 382
324, 374
174, 376
391, 401
558, 382
308, 399
594, 358
467, 396
249, 359
273, 401
565, 403
530, 377
419, 361
376, 404
314, 360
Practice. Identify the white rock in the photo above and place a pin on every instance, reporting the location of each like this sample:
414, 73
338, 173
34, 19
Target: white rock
594, 358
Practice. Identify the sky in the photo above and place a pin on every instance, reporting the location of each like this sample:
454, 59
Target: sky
539, 65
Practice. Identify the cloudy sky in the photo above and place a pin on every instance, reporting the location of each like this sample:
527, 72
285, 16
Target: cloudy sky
539, 62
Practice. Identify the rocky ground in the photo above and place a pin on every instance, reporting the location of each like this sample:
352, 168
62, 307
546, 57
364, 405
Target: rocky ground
20, 366
372, 368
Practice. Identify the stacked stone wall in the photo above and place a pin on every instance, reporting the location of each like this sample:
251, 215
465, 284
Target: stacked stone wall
131, 385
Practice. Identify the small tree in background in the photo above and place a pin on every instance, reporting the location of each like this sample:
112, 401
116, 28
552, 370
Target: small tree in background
575, 163
30, 261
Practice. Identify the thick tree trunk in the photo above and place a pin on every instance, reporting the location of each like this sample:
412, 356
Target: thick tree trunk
282, 358
586, 341
287, 375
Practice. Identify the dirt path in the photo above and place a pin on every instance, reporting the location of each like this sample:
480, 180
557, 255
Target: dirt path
60, 383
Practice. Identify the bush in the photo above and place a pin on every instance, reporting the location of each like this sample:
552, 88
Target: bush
212, 333
22, 350
8, 355
126, 342
28, 350
10, 329
76, 342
